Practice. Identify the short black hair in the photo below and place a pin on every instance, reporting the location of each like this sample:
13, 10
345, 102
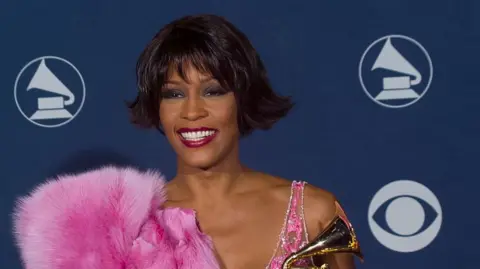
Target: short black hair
213, 45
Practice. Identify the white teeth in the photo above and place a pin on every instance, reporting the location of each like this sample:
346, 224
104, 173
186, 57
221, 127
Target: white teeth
195, 136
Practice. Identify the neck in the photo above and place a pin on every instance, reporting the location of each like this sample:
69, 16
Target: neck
212, 184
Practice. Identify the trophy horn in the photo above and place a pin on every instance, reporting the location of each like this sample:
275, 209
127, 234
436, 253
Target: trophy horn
338, 237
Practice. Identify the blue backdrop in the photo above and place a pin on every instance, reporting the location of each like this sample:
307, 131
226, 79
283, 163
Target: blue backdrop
387, 101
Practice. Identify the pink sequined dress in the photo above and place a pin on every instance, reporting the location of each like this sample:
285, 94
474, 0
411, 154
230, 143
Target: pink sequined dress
112, 218
294, 233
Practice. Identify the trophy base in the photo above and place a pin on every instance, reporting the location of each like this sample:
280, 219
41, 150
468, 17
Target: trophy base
397, 94
51, 114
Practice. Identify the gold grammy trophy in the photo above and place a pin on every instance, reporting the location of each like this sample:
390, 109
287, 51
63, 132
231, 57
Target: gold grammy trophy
338, 237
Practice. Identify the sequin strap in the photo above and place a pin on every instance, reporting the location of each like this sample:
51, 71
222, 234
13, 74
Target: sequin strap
294, 234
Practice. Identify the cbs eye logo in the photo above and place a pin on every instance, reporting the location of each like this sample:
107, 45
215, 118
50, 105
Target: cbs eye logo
405, 216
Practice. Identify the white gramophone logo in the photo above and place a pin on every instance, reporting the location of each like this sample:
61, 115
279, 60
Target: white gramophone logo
42, 95
392, 78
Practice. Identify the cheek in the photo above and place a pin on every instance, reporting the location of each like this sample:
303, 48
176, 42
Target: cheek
162, 115
167, 115
167, 124
228, 115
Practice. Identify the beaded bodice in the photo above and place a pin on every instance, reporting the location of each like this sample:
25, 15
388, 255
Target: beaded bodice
294, 233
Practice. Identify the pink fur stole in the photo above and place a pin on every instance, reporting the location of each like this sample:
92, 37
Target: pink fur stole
108, 218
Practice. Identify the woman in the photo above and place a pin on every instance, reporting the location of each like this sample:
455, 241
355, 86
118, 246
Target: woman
202, 84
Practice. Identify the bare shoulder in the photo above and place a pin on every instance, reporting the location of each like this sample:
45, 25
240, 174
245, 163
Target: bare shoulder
320, 207
318, 202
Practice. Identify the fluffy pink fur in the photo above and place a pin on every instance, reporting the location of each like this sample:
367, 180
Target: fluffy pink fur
108, 219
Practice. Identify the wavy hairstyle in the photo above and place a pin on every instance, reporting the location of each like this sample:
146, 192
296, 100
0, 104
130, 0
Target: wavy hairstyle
213, 45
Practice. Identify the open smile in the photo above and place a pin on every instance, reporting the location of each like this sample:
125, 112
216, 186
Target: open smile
196, 137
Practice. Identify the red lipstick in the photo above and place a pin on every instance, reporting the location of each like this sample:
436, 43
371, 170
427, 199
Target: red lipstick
196, 137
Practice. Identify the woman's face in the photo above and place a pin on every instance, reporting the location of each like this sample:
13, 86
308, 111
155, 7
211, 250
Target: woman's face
199, 118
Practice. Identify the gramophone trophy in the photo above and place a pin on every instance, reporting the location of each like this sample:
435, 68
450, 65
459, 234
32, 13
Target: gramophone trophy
338, 237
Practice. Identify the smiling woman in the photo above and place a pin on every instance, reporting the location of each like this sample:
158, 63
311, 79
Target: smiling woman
198, 113
203, 85
226, 60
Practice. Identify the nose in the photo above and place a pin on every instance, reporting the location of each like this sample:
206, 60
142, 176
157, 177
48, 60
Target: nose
193, 109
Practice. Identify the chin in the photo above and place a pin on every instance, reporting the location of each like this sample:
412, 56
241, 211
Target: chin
199, 161
200, 164
204, 157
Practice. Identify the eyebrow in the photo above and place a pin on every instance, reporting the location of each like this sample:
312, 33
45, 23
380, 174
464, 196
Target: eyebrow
176, 82
173, 82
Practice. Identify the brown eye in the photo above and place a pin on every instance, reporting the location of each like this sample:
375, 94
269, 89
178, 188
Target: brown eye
171, 94
215, 91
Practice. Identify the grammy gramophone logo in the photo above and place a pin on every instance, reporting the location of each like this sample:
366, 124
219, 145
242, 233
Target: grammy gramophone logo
49, 91
395, 71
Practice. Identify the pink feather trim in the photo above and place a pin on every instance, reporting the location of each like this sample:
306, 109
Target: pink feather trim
108, 218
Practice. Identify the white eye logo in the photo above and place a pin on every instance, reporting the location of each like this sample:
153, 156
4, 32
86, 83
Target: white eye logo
405, 216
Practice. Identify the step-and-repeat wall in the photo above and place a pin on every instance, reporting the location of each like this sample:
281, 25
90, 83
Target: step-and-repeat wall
387, 110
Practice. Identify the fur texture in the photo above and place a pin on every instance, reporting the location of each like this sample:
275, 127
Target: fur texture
108, 219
